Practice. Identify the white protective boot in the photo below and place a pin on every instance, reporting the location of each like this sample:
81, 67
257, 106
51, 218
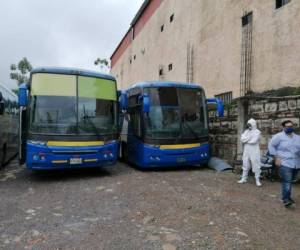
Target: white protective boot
244, 177
257, 180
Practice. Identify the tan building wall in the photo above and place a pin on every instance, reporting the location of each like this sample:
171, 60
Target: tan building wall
213, 28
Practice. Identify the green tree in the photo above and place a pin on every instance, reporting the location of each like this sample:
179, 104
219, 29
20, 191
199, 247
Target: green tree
20, 72
103, 64
16, 91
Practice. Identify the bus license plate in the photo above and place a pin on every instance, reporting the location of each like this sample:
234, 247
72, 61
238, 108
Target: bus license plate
181, 160
75, 161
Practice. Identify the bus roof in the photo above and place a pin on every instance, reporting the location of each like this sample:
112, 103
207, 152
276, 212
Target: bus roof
159, 84
72, 71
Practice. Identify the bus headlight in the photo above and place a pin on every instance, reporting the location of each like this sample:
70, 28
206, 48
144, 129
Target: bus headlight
35, 157
39, 143
39, 157
154, 158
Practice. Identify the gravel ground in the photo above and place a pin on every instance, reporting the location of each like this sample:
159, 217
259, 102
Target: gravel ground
120, 207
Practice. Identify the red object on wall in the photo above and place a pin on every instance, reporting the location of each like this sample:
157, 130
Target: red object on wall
146, 15
138, 24
121, 48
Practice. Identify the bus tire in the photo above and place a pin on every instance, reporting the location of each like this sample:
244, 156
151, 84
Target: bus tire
21, 159
124, 153
2, 162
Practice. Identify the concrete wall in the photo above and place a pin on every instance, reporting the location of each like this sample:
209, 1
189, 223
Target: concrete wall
214, 30
153, 48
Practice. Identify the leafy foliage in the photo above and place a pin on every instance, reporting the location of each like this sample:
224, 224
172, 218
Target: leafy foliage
16, 91
285, 91
103, 63
20, 72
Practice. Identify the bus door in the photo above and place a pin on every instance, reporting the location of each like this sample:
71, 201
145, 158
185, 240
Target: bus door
134, 137
23, 100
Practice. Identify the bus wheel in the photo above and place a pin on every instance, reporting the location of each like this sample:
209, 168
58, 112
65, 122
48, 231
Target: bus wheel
21, 158
124, 156
2, 162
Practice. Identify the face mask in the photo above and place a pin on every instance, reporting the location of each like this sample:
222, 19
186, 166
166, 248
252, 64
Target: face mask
249, 126
289, 130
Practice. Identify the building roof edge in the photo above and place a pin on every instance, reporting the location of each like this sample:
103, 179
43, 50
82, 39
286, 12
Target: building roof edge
133, 22
140, 12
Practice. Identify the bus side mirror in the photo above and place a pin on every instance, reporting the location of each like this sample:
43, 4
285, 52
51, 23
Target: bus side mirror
146, 103
218, 103
23, 99
124, 101
1, 104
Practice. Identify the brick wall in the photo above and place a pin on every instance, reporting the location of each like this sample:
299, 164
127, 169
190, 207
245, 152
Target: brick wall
269, 114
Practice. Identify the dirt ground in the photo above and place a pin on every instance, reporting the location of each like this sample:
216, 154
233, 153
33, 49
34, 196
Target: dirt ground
120, 207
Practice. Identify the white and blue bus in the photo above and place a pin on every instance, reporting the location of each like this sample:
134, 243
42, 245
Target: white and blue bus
8, 125
166, 125
70, 119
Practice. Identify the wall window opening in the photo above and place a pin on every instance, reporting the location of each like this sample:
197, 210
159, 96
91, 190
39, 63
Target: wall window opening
133, 33
161, 72
170, 67
171, 18
247, 19
280, 3
162, 28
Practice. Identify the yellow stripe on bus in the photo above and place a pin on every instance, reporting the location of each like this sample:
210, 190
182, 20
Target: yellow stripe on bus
90, 160
74, 143
180, 146
60, 162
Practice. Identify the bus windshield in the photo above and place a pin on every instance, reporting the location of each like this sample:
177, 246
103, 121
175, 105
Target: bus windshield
176, 113
70, 105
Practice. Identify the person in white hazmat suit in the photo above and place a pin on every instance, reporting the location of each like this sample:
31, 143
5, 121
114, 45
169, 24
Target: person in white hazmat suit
251, 155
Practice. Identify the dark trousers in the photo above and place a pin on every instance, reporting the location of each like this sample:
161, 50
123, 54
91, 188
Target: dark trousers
287, 176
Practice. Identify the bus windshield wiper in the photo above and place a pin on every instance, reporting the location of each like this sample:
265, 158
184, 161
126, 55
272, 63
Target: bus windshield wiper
88, 119
95, 129
191, 129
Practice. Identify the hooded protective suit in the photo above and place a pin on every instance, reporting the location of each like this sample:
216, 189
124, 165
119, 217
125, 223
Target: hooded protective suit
251, 156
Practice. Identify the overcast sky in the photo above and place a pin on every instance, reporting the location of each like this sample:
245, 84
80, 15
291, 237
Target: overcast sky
70, 33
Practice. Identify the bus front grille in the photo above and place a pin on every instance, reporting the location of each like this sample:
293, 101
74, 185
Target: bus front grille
75, 152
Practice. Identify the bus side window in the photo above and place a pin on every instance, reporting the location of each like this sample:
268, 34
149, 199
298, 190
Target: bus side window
136, 124
9, 106
1, 103
134, 111
8, 103
5, 95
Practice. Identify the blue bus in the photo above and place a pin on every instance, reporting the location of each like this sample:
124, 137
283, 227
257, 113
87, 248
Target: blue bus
69, 119
166, 124
8, 125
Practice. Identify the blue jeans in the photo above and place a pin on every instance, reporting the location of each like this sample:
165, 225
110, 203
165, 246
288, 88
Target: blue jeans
287, 176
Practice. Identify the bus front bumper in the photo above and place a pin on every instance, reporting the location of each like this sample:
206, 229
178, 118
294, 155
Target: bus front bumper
158, 157
42, 157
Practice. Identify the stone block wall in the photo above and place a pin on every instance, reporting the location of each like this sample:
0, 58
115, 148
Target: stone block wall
223, 133
269, 114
